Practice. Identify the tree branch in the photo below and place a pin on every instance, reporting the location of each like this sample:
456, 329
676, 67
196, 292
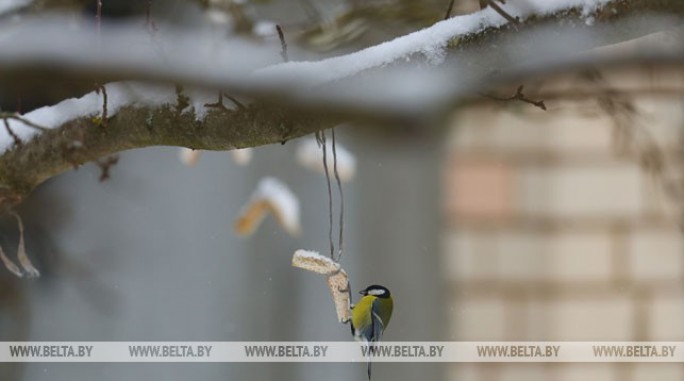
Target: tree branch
518, 96
272, 118
83, 140
479, 44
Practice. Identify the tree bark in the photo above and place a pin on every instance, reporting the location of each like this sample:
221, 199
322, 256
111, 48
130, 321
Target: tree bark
54, 151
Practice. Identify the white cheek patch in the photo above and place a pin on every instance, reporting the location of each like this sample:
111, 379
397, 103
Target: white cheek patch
376, 292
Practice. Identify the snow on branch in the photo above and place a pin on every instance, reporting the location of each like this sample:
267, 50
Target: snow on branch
89, 106
137, 124
430, 42
197, 58
324, 92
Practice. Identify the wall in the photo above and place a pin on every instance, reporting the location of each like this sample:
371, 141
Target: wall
557, 228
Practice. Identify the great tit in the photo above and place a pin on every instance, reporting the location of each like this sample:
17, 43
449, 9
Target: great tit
371, 315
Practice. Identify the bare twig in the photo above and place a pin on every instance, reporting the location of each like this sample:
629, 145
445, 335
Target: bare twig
449, 9
101, 88
17, 141
239, 104
339, 188
17, 117
28, 122
520, 97
283, 44
218, 104
320, 138
105, 165
499, 10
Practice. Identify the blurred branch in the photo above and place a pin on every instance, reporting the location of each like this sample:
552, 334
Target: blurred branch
486, 53
449, 10
283, 43
518, 96
285, 107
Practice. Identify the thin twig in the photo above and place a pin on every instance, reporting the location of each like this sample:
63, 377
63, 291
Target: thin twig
339, 188
283, 44
104, 106
17, 141
504, 14
101, 88
520, 97
17, 117
218, 104
449, 9
28, 122
239, 104
320, 137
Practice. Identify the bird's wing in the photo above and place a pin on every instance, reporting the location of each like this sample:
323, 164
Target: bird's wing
375, 329
377, 325
362, 318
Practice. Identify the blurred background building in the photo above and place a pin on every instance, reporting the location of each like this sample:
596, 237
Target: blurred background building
566, 224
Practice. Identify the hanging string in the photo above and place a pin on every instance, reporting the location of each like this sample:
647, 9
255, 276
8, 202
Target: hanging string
320, 138
339, 188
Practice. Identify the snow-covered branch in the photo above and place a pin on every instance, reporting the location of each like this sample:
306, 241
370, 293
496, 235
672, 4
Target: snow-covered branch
380, 80
204, 60
141, 123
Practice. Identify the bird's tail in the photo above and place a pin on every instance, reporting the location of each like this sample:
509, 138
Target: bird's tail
369, 353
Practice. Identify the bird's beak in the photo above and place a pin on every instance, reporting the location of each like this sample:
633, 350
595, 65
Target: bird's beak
363, 292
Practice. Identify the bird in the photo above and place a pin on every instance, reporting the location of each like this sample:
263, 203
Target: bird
371, 315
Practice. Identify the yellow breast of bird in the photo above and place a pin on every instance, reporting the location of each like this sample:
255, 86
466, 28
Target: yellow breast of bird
361, 315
